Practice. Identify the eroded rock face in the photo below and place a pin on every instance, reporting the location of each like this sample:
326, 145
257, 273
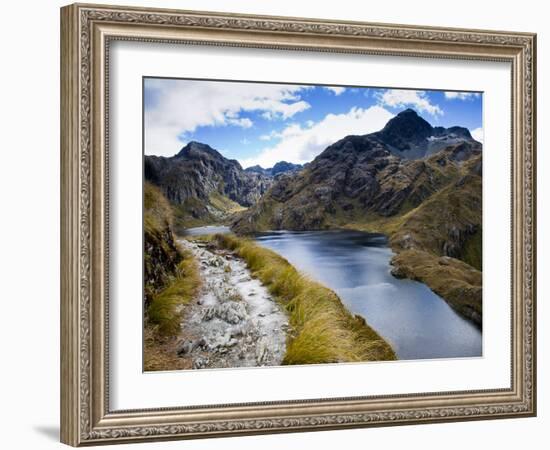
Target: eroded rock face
381, 174
161, 259
410, 136
277, 169
198, 171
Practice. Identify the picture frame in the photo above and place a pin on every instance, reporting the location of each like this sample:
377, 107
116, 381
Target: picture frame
87, 32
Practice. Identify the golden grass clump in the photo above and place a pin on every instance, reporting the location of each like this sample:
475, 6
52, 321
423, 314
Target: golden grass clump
323, 331
157, 210
163, 310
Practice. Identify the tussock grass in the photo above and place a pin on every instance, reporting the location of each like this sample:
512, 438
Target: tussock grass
323, 331
472, 253
224, 204
163, 312
160, 351
157, 210
454, 280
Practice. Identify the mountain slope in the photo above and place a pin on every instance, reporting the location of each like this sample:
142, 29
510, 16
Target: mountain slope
278, 168
357, 179
203, 186
409, 136
161, 255
420, 185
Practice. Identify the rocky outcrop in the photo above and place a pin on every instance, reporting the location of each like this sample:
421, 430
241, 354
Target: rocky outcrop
420, 185
198, 171
363, 177
278, 168
160, 254
203, 186
352, 180
410, 136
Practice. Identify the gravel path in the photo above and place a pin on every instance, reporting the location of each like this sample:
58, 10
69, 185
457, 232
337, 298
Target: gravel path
234, 322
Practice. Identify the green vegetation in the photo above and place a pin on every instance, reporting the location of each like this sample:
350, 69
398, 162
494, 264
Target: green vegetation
432, 208
446, 223
472, 250
161, 255
323, 331
165, 305
457, 282
171, 279
157, 209
224, 204
194, 212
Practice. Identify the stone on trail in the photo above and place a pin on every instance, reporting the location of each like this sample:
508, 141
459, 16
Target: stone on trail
230, 312
200, 362
234, 322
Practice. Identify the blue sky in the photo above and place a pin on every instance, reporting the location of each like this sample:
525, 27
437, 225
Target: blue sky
261, 123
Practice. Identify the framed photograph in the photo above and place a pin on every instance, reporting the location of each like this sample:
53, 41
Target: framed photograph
278, 224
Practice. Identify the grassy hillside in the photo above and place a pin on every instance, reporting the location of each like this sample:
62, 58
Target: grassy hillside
439, 242
161, 255
428, 208
323, 331
194, 212
171, 280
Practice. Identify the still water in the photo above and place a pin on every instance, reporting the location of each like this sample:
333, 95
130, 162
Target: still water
208, 229
417, 323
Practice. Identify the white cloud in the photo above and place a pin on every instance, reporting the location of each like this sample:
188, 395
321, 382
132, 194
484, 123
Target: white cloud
288, 131
300, 145
180, 106
336, 90
243, 122
268, 137
477, 134
285, 110
461, 95
401, 98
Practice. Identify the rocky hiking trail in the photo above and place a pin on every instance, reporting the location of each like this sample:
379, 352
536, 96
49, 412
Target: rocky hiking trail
234, 321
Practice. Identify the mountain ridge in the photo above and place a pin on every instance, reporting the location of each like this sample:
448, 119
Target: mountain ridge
425, 197
203, 185
410, 136
278, 168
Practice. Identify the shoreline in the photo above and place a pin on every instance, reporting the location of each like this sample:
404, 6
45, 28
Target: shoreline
323, 330
463, 293
233, 321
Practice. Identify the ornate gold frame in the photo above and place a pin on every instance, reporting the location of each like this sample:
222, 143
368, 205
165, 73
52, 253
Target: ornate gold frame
86, 31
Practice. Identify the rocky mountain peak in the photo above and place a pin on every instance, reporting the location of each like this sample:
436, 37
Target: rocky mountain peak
194, 148
405, 128
459, 132
278, 168
198, 151
409, 136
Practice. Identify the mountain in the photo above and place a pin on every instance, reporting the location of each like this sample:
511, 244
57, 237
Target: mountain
278, 168
356, 179
418, 184
410, 136
202, 185
258, 169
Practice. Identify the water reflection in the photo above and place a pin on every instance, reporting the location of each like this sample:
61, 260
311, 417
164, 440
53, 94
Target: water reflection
209, 229
417, 322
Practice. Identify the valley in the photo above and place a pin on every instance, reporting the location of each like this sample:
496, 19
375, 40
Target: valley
416, 186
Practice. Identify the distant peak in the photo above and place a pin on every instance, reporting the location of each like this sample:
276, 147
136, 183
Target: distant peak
408, 124
194, 146
408, 111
